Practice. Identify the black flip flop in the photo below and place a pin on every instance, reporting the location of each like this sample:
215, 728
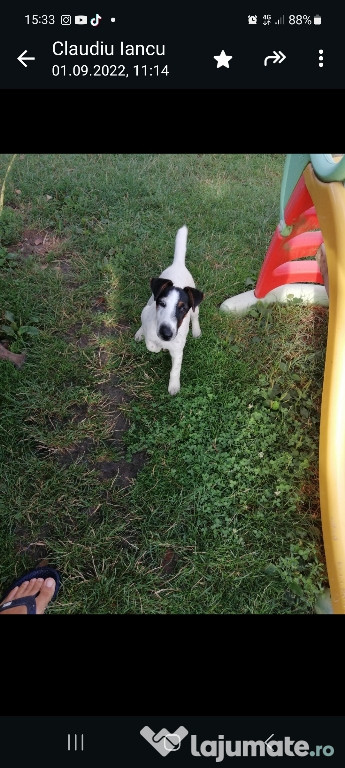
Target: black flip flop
29, 601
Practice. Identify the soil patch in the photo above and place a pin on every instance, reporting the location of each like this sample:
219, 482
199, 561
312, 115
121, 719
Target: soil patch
37, 242
122, 471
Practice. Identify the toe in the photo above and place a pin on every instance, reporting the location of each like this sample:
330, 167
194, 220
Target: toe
33, 586
46, 593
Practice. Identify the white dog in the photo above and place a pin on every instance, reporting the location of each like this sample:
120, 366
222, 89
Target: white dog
174, 302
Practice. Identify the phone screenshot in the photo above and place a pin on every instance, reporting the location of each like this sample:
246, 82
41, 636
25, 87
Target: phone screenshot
160, 417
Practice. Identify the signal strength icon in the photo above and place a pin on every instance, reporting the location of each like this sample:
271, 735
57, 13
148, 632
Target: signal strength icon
280, 20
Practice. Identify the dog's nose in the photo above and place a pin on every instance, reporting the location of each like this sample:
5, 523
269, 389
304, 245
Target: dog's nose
165, 332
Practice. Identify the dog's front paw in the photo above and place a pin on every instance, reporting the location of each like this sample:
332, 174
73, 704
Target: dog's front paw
174, 388
139, 335
152, 347
196, 333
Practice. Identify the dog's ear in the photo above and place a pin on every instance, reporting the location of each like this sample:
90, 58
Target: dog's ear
158, 285
195, 297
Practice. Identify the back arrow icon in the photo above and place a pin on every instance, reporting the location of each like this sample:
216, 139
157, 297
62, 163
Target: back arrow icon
22, 58
275, 58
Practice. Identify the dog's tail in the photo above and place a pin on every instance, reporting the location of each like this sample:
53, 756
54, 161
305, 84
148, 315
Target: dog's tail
181, 245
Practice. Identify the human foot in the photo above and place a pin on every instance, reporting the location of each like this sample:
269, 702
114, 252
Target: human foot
30, 596
321, 259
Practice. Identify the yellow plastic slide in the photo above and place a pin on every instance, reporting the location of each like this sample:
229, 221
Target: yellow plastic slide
329, 201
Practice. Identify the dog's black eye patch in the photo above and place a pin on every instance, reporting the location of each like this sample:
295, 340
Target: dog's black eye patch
183, 304
182, 307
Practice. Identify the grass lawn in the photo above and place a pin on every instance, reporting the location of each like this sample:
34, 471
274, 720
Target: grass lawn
206, 502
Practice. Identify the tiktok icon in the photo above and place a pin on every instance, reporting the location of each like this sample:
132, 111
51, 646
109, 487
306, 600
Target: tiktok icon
95, 21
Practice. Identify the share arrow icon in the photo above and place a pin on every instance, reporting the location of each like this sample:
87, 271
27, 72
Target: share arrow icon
278, 57
22, 58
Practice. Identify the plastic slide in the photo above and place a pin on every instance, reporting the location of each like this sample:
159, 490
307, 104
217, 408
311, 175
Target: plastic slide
329, 201
312, 211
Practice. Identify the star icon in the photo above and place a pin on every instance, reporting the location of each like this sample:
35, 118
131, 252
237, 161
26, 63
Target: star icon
222, 60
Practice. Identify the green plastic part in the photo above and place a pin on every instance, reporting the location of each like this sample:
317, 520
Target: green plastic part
293, 169
324, 603
286, 230
327, 169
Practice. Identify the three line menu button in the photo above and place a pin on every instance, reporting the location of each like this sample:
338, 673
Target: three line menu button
75, 741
